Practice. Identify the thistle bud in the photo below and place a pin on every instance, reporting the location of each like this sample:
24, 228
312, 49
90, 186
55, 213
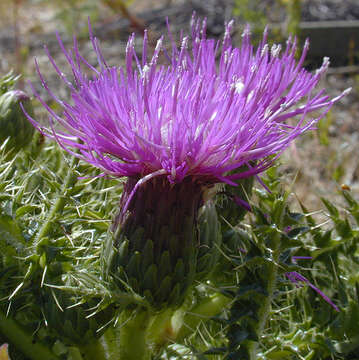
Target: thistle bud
13, 123
155, 245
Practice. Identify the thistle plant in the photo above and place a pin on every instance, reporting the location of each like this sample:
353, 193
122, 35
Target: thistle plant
188, 133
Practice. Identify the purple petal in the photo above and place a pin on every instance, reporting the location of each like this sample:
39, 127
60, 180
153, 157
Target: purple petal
297, 278
193, 116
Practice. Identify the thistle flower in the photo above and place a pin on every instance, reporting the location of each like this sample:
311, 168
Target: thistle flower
175, 129
190, 117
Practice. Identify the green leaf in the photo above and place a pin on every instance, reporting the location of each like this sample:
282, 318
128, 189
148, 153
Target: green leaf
216, 351
298, 231
10, 232
333, 211
26, 209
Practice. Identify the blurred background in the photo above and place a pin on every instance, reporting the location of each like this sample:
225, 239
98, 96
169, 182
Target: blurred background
318, 164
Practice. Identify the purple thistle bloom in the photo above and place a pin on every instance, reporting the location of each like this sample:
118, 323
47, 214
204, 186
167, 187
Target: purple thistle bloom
175, 130
191, 117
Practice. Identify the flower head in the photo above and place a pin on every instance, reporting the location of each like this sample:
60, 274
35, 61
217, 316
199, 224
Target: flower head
192, 116
175, 129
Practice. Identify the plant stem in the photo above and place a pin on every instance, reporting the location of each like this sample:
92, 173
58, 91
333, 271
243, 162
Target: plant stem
93, 351
74, 353
172, 325
60, 202
160, 330
209, 307
17, 40
133, 335
263, 313
120, 6
110, 343
23, 341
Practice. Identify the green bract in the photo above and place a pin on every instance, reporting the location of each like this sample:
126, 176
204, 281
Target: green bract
15, 129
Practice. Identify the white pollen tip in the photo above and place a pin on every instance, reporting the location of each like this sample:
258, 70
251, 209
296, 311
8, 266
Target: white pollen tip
159, 44
264, 50
324, 66
145, 70
326, 60
275, 50
246, 31
238, 86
